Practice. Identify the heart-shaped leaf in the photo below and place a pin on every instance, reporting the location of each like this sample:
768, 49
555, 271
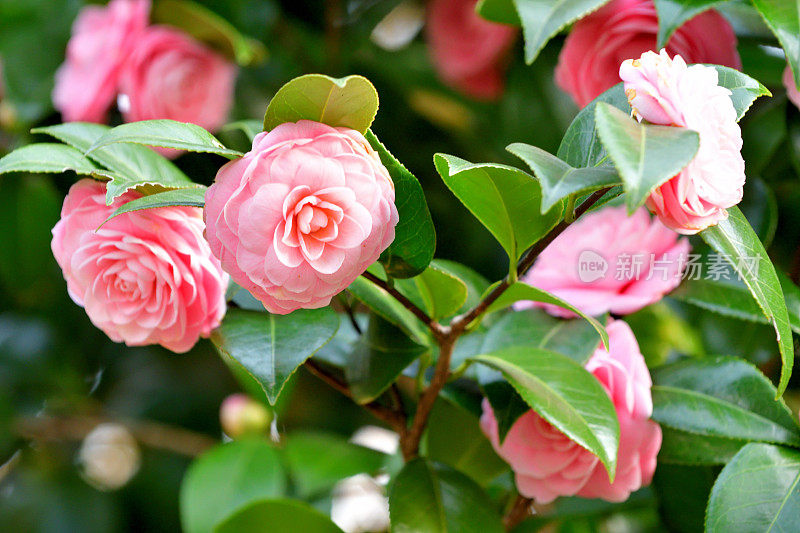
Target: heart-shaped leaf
350, 102
645, 155
271, 347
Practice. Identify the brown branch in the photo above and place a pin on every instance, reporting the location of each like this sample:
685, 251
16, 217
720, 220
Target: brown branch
518, 512
396, 419
153, 434
434, 326
459, 324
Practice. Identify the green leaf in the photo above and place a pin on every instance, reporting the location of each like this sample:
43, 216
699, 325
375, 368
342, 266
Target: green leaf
542, 19
502, 11
437, 499
227, 477
47, 157
476, 284
350, 102
673, 13
165, 134
130, 166
577, 339
188, 197
209, 28
722, 397
732, 298
557, 178
414, 236
454, 437
682, 494
385, 306
506, 200
645, 155
745, 90
317, 461
250, 127
440, 294
735, 238
377, 360
507, 405
565, 394
521, 291
271, 347
278, 516
759, 490
783, 18
684, 448
580, 146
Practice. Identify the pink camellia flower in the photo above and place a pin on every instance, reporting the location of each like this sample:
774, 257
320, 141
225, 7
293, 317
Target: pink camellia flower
102, 39
623, 29
665, 91
608, 261
467, 50
547, 464
145, 277
170, 75
301, 215
791, 88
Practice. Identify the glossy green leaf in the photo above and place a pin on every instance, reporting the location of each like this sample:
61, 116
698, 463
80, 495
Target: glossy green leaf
543, 19
47, 157
506, 200
581, 146
684, 448
187, 197
165, 134
557, 178
476, 284
735, 238
377, 360
759, 490
271, 347
502, 11
673, 13
277, 516
454, 437
227, 477
350, 102
317, 461
745, 90
645, 155
783, 18
577, 339
733, 298
722, 397
209, 28
250, 127
441, 294
563, 393
129, 165
414, 236
521, 291
385, 306
437, 499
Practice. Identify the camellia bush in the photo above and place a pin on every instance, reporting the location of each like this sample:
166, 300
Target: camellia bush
592, 329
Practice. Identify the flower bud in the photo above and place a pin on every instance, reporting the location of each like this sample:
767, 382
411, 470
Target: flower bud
240, 416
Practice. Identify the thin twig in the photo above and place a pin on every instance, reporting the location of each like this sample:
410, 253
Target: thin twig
518, 512
394, 418
153, 434
434, 326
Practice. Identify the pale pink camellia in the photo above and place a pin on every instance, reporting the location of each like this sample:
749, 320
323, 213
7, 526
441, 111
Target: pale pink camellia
547, 464
608, 261
144, 277
102, 39
668, 92
468, 51
598, 43
301, 215
791, 87
170, 75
